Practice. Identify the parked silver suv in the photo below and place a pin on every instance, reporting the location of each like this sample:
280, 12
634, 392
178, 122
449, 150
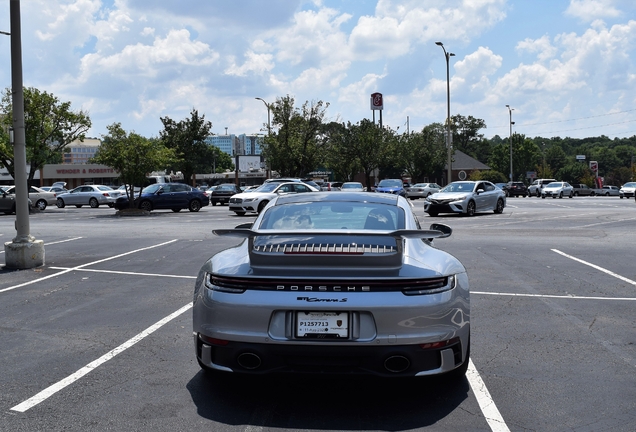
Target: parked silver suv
537, 186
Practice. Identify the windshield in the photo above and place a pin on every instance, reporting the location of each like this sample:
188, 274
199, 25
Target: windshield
334, 216
630, 184
267, 187
553, 185
390, 183
459, 187
152, 188
352, 186
229, 187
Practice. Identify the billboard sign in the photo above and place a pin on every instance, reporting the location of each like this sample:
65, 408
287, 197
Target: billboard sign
376, 102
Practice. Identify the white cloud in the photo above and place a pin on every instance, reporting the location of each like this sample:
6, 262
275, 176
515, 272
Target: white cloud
590, 10
140, 60
542, 47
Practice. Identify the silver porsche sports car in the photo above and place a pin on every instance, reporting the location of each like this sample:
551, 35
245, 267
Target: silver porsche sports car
334, 283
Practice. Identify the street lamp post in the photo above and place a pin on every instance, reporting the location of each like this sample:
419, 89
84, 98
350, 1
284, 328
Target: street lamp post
510, 110
24, 251
449, 136
269, 126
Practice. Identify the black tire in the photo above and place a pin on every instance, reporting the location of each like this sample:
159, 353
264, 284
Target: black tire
60, 203
93, 203
499, 208
538, 193
543, 196
41, 204
433, 213
607, 194
470, 208
78, 205
240, 213
593, 193
262, 205
176, 210
560, 194
213, 203
195, 205
571, 195
576, 194
111, 205
145, 205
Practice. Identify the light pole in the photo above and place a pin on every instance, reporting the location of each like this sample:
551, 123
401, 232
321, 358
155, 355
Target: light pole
269, 127
543, 173
24, 251
449, 137
510, 110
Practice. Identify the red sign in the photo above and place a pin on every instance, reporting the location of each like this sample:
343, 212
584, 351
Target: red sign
594, 166
376, 101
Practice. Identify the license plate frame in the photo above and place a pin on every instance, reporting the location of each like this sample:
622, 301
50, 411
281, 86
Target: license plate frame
322, 325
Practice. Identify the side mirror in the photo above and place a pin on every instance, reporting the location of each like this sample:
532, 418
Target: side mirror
247, 225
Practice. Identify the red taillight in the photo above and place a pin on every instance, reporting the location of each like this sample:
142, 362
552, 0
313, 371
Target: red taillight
437, 345
213, 341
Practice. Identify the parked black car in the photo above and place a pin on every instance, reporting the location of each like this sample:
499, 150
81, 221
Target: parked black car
222, 193
173, 196
515, 189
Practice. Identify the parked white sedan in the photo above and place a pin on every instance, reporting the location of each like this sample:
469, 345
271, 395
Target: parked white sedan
39, 197
557, 190
255, 201
91, 195
422, 190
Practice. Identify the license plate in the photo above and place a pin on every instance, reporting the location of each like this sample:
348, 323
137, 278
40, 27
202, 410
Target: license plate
322, 325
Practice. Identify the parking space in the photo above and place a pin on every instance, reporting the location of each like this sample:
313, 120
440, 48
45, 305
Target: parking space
100, 337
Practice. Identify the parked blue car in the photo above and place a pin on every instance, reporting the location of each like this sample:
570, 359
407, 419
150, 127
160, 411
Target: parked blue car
172, 196
392, 186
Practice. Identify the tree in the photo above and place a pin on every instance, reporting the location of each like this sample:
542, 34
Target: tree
422, 154
297, 148
466, 137
132, 155
339, 157
187, 139
367, 142
50, 126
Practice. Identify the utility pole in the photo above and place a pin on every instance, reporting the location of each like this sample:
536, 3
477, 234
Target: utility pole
24, 251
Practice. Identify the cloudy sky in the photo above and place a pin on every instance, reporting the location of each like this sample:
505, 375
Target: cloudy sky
566, 67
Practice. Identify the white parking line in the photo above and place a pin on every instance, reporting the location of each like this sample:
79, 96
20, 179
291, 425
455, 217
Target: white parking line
568, 297
56, 242
51, 390
485, 401
594, 266
124, 273
83, 265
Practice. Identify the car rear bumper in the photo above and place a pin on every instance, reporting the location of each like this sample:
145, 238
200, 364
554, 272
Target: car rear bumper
386, 361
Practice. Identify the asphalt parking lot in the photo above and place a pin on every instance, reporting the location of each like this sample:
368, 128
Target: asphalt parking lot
100, 337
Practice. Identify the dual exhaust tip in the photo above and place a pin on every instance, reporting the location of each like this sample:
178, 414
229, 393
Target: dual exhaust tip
394, 364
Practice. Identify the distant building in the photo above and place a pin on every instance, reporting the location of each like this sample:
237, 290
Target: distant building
80, 152
236, 144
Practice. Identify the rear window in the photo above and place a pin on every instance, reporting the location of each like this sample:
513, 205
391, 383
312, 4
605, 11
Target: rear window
333, 216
